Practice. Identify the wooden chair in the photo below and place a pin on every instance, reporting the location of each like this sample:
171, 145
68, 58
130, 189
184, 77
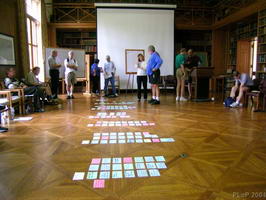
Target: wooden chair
117, 84
254, 94
11, 98
170, 82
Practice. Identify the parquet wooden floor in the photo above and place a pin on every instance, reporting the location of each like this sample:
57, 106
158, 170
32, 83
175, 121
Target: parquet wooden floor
226, 153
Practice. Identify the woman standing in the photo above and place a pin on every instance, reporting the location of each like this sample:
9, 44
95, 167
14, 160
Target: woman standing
95, 76
141, 76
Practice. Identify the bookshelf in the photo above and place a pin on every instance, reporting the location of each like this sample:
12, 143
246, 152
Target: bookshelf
78, 39
261, 57
241, 31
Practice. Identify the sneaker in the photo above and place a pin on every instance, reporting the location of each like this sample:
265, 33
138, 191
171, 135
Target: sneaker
155, 102
72, 97
68, 97
183, 99
116, 95
177, 98
234, 105
152, 100
3, 129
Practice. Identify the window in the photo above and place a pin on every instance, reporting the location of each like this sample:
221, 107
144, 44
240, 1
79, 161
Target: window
34, 34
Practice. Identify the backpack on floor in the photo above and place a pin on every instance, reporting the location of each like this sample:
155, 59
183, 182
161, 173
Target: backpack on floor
228, 101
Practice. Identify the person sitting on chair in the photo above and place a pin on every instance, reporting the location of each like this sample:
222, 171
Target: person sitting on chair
32, 80
11, 82
242, 84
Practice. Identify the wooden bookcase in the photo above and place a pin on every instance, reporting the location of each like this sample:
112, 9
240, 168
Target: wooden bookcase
242, 31
77, 39
261, 58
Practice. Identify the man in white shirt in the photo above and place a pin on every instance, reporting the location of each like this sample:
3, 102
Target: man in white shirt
71, 66
109, 76
54, 73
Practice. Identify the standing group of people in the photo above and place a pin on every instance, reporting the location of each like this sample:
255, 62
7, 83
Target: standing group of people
185, 61
71, 66
150, 69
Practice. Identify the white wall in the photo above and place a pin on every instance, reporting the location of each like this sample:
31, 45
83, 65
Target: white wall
120, 29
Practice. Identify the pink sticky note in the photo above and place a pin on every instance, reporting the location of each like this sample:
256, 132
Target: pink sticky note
124, 124
105, 137
152, 124
96, 161
98, 183
97, 124
145, 124
156, 140
127, 160
146, 133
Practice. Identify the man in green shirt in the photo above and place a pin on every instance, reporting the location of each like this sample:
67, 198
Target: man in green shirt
181, 75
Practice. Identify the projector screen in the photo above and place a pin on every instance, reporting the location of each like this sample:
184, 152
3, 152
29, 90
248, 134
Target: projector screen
119, 29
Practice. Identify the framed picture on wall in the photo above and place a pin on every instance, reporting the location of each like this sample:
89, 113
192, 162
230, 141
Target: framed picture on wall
7, 50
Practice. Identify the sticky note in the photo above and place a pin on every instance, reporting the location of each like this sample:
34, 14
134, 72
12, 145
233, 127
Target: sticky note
117, 166
147, 140
105, 167
121, 137
90, 125
106, 160
96, 161
112, 141
121, 141
154, 172
97, 134
130, 141
98, 183
161, 165
117, 174
139, 141
93, 167
151, 124
138, 137
149, 159
85, 142
78, 176
117, 160
127, 160
104, 142
92, 175
129, 174
167, 139
151, 165
104, 175
113, 137
140, 166
138, 133
139, 159
128, 166
121, 134
142, 173
130, 137
94, 141
96, 138
160, 158
105, 137
156, 140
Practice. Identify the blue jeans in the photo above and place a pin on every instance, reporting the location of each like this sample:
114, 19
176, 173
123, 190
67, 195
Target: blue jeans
106, 82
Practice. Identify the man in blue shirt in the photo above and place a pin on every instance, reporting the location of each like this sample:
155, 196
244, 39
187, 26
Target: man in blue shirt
153, 71
95, 76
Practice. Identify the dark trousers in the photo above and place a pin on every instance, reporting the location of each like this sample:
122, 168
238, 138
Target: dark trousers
37, 94
106, 82
142, 80
54, 74
95, 84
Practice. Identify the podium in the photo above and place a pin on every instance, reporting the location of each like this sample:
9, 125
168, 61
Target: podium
201, 81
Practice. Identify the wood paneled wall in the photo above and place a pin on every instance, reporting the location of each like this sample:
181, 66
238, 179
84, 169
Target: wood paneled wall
218, 51
9, 26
